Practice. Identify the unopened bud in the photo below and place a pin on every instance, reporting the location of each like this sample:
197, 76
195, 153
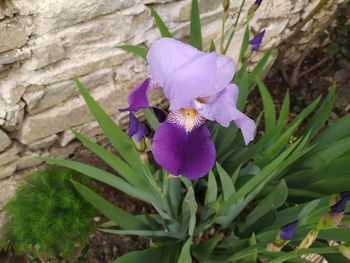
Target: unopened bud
226, 4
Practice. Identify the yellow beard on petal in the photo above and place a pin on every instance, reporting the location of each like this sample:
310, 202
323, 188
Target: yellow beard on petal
186, 118
189, 116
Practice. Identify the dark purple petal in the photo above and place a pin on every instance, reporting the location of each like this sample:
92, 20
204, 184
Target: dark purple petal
258, 2
191, 154
340, 206
137, 98
137, 129
141, 132
287, 232
161, 115
133, 124
256, 41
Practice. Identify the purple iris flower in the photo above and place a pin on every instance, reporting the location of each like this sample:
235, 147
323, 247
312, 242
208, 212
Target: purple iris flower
287, 232
197, 85
340, 206
137, 129
256, 41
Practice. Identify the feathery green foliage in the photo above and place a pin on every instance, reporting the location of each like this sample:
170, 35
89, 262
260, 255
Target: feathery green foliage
47, 217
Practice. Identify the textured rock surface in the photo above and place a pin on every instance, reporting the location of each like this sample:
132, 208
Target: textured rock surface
4, 140
44, 44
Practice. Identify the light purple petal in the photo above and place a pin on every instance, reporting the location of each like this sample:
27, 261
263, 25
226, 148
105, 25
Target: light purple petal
137, 98
189, 154
167, 55
225, 70
186, 73
222, 108
193, 80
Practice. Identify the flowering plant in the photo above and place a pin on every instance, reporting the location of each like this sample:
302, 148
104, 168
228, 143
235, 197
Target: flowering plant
267, 202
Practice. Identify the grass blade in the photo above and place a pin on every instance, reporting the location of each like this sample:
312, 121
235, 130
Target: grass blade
120, 141
121, 217
164, 31
137, 50
195, 26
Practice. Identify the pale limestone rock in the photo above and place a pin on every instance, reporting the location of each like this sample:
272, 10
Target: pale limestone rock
12, 35
70, 113
129, 69
11, 154
5, 141
93, 34
29, 159
7, 190
67, 136
82, 65
14, 56
90, 129
11, 91
61, 91
7, 9
33, 97
7, 170
44, 56
65, 13
63, 153
43, 143
11, 115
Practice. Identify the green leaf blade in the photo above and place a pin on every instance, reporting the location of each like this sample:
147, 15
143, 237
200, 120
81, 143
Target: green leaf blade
195, 26
164, 31
137, 50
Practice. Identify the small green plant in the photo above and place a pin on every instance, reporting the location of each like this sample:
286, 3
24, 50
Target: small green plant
47, 218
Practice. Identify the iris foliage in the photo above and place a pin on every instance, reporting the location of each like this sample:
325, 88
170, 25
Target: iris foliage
294, 171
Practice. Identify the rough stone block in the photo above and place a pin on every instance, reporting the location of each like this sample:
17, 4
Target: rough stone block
11, 115
12, 35
29, 159
71, 113
43, 143
55, 93
81, 65
46, 55
14, 56
11, 154
5, 141
66, 13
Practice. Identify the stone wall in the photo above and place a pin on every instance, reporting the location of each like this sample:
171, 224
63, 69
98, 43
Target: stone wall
43, 44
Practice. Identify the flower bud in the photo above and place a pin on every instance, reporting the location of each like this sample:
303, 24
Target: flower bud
252, 9
284, 236
226, 4
334, 217
256, 41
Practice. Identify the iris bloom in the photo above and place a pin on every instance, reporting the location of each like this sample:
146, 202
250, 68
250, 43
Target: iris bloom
198, 87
